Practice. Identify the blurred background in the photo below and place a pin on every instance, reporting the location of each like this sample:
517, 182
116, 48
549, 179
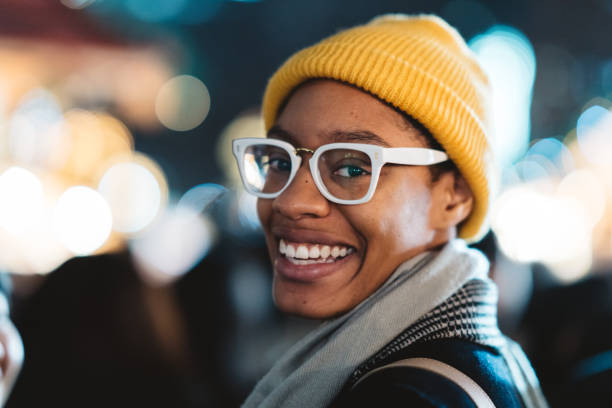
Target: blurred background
136, 268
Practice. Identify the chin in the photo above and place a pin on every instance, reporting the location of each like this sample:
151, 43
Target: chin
300, 303
298, 306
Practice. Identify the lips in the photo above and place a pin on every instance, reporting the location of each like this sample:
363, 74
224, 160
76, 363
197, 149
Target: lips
307, 256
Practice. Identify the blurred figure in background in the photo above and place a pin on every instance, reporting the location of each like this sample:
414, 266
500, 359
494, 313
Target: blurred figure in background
11, 346
98, 335
568, 332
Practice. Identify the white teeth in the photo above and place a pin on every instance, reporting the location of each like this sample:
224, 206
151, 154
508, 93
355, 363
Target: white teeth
314, 252
325, 251
302, 252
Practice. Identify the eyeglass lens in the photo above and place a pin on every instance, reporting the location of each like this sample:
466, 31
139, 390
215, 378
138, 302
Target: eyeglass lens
267, 168
344, 172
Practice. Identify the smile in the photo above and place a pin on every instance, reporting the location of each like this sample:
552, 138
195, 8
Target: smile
308, 253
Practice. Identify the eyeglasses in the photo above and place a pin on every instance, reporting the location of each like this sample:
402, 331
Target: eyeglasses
344, 173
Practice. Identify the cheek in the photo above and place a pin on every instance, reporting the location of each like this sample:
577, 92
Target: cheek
398, 217
411, 224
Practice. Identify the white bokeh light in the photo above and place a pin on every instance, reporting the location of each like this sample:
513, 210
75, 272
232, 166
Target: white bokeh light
200, 197
82, 220
173, 245
21, 200
38, 251
555, 229
134, 196
182, 103
587, 189
247, 211
35, 130
508, 58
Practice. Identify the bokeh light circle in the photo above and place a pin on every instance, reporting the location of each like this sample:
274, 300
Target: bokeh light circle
586, 188
247, 211
554, 229
82, 220
593, 131
136, 189
182, 103
96, 137
133, 194
21, 200
35, 130
533, 168
508, 58
200, 197
173, 245
556, 152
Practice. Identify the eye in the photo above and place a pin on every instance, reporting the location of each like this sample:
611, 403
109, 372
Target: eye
350, 171
278, 164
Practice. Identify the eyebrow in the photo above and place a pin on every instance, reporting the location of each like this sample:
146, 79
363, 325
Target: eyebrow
279, 133
336, 136
357, 136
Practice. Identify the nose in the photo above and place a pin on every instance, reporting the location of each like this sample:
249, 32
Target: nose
301, 198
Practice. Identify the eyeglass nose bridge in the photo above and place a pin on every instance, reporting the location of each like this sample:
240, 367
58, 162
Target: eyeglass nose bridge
303, 149
299, 158
299, 150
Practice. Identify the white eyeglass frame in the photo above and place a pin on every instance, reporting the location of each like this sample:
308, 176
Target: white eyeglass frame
379, 156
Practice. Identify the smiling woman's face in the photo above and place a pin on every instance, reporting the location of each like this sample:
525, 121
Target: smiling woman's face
404, 218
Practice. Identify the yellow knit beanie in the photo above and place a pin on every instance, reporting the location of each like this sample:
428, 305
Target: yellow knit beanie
422, 66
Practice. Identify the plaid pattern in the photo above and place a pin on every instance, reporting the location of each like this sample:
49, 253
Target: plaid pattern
469, 314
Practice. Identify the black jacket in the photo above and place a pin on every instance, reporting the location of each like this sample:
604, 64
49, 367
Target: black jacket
413, 387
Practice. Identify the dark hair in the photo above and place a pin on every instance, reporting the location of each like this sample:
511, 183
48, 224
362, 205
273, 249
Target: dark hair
437, 169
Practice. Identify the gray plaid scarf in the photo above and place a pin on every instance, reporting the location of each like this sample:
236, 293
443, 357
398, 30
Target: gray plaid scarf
314, 370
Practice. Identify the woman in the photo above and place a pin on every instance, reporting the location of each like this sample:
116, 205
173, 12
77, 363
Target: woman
376, 160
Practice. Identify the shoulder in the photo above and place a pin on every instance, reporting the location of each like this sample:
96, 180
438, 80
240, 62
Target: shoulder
402, 385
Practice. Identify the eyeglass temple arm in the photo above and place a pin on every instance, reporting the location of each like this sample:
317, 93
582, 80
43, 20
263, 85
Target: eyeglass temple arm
416, 156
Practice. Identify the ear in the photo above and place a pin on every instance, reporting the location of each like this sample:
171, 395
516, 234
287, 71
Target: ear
452, 201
